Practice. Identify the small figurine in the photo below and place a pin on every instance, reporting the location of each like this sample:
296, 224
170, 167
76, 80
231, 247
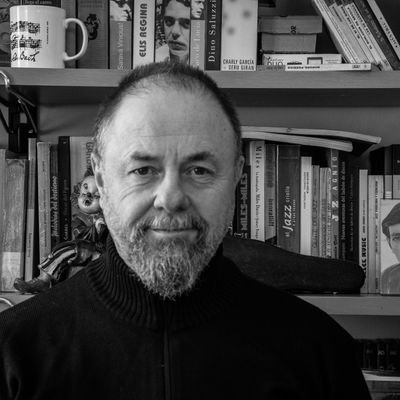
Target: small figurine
89, 232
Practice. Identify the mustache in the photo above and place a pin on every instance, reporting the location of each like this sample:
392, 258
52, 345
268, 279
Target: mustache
176, 222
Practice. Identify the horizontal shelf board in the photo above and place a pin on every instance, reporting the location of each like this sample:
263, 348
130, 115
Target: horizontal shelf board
261, 88
356, 304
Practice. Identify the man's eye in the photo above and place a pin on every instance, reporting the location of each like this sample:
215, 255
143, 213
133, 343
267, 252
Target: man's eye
185, 23
169, 21
144, 171
200, 171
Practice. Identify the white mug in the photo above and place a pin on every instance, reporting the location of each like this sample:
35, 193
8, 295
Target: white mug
38, 36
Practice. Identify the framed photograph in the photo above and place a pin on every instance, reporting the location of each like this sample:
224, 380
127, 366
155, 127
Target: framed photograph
390, 247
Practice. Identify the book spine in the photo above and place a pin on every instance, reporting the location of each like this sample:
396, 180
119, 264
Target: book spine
337, 12
395, 159
275, 43
94, 13
43, 158
342, 207
143, 32
14, 218
53, 3
396, 186
2, 199
306, 205
323, 211
378, 34
197, 37
363, 225
385, 26
64, 190
257, 198
120, 35
315, 211
375, 193
290, 25
239, 36
241, 225
31, 216
376, 51
270, 192
329, 67
279, 60
70, 46
329, 233
288, 197
54, 197
213, 35
333, 161
340, 41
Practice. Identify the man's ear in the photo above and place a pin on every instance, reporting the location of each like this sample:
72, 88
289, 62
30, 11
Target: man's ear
239, 169
97, 172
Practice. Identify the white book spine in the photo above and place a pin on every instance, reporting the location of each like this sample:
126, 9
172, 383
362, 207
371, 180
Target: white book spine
363, 225
306, 205
330, 67
143, 32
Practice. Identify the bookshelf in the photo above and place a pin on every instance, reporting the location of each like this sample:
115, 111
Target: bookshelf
366, 102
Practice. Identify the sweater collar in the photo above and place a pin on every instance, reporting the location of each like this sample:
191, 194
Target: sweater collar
127, 298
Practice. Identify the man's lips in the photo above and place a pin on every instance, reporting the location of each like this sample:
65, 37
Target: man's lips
177, 45
190, 233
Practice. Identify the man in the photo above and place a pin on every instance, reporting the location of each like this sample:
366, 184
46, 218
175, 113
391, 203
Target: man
163, 314
176, 25
390, 280
197, 9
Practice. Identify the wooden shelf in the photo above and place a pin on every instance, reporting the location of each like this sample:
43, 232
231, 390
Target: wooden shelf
356, 304
252, 89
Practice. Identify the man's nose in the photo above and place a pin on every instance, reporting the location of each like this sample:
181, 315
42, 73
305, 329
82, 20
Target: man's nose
176, 29
171, 196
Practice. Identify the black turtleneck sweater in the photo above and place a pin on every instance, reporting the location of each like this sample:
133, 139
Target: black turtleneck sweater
102, 335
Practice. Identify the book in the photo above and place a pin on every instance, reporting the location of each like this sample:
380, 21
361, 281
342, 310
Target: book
197, 34
70, 46
385, 26
270, 192
330, 67
239, 35
279, 60
296, 139
376, 30
13, 223
241, 220
80, 149
54, 197
363, 225
5, 50
324, 191
342, 206
381, 164
288, 197
31, 256
143, 32
390, 247
52, 3
172, 32
306, 205
290, 24
286, 43
315, 211
120, 34
361, 142
95, 15
213, 35
64, 189
339, 39
375, 194
43, 181
257, 189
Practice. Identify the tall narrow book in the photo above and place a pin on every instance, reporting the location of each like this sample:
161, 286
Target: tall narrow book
363, 225
13, 223
213, 35
197, 33
143, 32
306, 205
239, 35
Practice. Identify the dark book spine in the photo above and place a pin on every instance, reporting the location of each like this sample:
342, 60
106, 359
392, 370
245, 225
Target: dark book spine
64, 191
241, 222
54, 198
53, 3
333, 162
342, 206
378, 33
213, 35
395, 159
288, 196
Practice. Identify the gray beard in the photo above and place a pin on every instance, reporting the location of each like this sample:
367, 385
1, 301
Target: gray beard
167, 268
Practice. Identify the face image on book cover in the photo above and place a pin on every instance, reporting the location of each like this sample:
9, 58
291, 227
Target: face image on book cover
390, 246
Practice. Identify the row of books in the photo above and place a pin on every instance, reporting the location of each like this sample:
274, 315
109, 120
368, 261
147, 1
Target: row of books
360, 32
125, 34
36, 203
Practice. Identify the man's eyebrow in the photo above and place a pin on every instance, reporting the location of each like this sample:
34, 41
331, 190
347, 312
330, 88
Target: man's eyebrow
201, 156
141, 156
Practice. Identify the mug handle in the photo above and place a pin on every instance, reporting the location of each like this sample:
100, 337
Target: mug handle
84, 38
